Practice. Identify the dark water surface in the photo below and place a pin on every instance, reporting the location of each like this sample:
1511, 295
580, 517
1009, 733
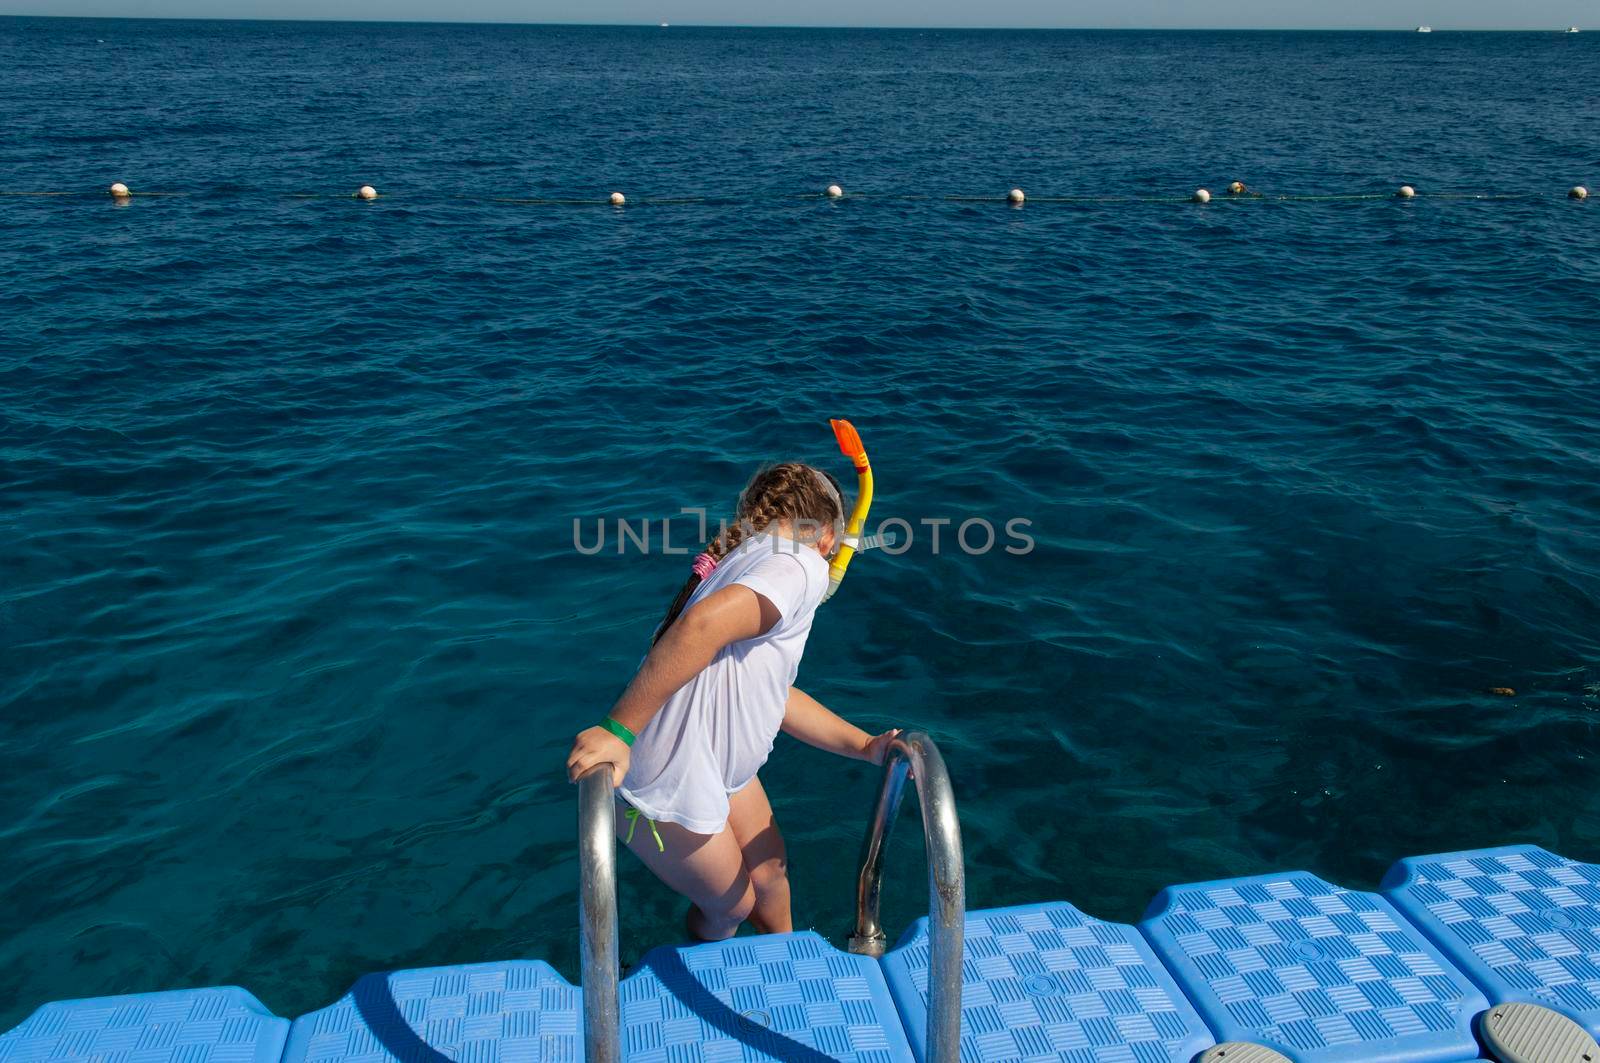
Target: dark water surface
293, 634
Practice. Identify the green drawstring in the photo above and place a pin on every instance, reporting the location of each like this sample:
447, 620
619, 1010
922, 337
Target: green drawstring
633, 817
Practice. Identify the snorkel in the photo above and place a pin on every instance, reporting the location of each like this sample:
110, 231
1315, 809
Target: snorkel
850, 446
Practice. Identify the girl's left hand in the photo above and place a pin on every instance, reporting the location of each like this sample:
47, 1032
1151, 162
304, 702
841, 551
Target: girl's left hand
596, 745
878, 747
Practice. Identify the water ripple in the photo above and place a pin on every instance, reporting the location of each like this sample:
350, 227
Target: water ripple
294, 627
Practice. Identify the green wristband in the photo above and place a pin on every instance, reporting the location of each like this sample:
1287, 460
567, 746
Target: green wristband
620, 730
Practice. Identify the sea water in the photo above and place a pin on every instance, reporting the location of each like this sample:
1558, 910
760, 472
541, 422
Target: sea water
294, 630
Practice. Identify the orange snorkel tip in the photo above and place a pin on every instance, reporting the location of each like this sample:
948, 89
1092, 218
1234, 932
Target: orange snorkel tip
849, 441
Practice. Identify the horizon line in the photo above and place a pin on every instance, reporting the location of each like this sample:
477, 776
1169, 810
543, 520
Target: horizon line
777, 26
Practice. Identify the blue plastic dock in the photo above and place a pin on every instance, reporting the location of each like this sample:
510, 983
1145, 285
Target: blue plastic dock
774, 997
1319, 973
1519, 920
220, 1025
520, 1011
1045, 981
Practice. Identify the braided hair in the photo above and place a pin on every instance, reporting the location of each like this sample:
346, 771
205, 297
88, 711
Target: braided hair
789, 491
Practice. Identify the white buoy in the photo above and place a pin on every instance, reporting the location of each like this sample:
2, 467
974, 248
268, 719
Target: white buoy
1202, 196
1406, 192
1015, 196
834, 191
120, 190
1237, 189
1579, 192
618, 199
366, 192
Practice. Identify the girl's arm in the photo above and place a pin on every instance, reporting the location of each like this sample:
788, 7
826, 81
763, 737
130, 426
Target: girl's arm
806, 718
730, 615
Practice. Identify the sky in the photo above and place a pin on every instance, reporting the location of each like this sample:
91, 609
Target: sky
1117, 14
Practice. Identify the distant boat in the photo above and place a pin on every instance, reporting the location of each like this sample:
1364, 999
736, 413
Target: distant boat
663, 25
1572, 29
1424, 29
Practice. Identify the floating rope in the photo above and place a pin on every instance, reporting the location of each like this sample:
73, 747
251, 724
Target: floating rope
121, 194
96, 195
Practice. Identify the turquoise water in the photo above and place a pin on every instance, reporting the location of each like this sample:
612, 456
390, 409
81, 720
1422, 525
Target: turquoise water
295, 632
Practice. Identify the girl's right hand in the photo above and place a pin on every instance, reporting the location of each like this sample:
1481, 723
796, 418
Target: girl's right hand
596, 745
878, 746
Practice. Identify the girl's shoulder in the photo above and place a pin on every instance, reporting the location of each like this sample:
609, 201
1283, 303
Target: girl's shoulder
792, 575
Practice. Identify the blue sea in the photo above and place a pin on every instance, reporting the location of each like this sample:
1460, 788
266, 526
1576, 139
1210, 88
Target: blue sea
294, 631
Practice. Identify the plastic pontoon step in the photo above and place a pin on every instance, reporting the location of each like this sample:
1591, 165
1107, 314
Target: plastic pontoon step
1316, 972
1240, 1052
223, 1024
773, 997
1523, 922
519, 1011
1045, 981
1531, 1033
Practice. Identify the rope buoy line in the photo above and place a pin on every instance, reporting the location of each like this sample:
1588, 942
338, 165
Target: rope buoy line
1236, 192
99, 195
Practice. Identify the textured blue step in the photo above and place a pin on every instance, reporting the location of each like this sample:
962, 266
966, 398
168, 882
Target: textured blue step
224, 1024
1319, 973
1523, 922
774, 997
1045, 981
519, 1011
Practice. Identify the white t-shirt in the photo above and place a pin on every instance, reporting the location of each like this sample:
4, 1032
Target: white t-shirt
712, 736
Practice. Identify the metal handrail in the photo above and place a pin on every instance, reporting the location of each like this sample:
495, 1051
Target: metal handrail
915, 753
597, 915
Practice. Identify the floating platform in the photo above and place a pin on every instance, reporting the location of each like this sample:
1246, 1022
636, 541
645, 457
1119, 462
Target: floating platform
1522, 922
1490, 954
1045, 981
1319, 973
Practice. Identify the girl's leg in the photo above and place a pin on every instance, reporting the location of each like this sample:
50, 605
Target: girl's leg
766, 860
707, 869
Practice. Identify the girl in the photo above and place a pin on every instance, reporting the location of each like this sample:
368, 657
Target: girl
702, 712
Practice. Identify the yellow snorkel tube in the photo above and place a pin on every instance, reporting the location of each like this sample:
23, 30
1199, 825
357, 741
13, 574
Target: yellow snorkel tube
850, 446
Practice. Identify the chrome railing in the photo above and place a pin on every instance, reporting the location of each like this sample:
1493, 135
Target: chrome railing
915, 754
910, 755
597, 915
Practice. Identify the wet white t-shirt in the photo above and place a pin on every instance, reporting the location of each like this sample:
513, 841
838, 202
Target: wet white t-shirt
712, 736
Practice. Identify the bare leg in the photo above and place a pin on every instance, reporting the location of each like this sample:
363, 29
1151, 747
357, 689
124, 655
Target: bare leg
706, 868
766, 859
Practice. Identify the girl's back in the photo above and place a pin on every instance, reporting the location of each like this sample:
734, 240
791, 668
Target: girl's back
712, 736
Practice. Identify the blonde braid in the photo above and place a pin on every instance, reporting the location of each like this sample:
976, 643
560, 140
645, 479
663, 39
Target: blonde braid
786, 492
